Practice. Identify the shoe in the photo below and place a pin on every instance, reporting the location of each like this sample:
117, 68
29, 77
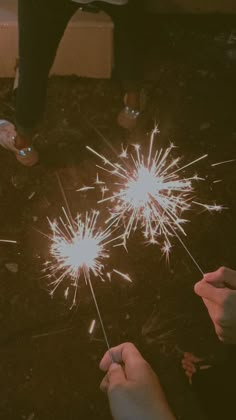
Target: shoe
128, 117
27, 156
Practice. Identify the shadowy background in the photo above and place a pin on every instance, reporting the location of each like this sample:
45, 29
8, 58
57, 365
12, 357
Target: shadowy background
49, 363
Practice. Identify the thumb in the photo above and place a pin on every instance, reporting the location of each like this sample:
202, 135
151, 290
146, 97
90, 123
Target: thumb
116, 375
208, 291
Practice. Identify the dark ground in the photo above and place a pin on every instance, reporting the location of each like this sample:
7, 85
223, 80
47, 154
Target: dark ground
49, 364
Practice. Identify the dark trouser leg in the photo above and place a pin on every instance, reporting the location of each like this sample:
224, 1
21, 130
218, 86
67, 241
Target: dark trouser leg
41, 26
128, 41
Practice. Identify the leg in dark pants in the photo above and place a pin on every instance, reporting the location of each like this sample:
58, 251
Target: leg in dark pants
129, 28
41, 27
128, 41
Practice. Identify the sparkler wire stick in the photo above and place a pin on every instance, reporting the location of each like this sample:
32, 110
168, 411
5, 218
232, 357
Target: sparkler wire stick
98, 132
183, 244
188, 252
87, 276
64, 197
223, 162
86, 272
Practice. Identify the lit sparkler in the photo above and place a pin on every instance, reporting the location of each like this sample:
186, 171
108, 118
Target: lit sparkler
79, 249
148, 192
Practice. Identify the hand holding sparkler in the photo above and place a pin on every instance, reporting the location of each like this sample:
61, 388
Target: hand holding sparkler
133, 388
218, 291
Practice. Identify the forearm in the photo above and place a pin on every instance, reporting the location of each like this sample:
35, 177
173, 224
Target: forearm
162, 409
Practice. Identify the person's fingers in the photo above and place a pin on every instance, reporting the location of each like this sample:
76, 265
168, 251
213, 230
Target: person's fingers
205, 367
189, 375
124, 353
214, 310
215, 278
214, 294
189, 369
104, 384
187, 364
114, 376
229, 277
191, 357
190, 372
223, 277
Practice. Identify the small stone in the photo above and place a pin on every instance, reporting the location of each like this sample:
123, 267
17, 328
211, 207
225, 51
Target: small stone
205, 126
14, 299
203, 73
231, 54
31, 195
12, 267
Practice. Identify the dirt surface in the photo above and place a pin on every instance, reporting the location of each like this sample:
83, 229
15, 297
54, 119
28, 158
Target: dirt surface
49, 362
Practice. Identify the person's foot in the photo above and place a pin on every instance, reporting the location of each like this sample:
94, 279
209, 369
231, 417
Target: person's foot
27, 156
191, 364
129, 115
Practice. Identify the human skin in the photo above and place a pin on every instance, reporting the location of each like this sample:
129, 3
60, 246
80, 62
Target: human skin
218, 292
133, 389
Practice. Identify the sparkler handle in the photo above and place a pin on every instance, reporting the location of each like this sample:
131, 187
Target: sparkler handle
182, 243
188, 252
64, 196
100, 317
86, 272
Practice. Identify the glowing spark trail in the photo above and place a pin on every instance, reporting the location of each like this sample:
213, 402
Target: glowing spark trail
148, 192
92, 326
8, 241
223, 162
211, 207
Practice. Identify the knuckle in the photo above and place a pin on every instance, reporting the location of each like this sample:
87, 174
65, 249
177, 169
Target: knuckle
129, 345
218, 330
198, 287
116, 387
222, 270
222, 321
229, 300
221, 338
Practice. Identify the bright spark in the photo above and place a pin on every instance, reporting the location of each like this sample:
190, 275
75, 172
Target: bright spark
78, 248
211, 207
124, 276
148, 192
92, 326
85, 188
8, 241
223, 162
